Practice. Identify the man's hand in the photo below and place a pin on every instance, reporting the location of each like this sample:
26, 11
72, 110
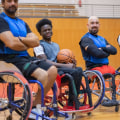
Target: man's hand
107, 45
74, 62
70, 65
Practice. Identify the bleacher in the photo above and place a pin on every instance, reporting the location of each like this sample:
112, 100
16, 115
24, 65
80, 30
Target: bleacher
71, 9
46, 10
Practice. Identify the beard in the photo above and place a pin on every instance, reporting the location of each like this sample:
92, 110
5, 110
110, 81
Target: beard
93, 32
11, 10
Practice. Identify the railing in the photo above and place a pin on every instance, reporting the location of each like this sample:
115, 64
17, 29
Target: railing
48, 10
38, 10
100, 10
68, 10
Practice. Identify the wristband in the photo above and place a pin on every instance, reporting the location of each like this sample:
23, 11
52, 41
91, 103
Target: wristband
20, 39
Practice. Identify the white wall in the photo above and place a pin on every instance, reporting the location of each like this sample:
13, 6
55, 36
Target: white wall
110, 2
48, 1
100, 8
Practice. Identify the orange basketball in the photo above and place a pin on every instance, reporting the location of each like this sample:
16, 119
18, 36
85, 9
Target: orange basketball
65, 56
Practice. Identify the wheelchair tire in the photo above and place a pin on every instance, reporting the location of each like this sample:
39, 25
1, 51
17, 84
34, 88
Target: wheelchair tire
97, 86
16, 97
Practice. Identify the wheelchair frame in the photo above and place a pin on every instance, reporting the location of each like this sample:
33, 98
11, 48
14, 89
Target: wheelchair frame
102, 92
13, 104
20, 106
62, 98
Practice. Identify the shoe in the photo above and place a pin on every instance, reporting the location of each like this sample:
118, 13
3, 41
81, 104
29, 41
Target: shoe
32, 116
80, 104
37, 110
69, 117
109, 103
70, 102
30, 119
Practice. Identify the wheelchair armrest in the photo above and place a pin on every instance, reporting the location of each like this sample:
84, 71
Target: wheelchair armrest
108, 75
58, 79
118, 69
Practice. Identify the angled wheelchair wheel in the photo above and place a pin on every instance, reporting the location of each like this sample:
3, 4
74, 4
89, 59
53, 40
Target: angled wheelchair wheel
112, 86
63, 97
108, 79
62, 94
117, 83
15, 96
97, 86
62, 100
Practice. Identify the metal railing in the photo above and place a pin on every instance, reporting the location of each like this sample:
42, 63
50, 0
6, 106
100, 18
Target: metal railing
100, 10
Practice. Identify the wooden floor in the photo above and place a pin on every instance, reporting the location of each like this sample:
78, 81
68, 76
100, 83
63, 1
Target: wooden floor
100, 113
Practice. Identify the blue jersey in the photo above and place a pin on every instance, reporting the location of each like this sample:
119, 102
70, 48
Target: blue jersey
18, 28
99, 42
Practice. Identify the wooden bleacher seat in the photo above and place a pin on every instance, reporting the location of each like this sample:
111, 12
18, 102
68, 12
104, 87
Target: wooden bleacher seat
40, 10
47, 10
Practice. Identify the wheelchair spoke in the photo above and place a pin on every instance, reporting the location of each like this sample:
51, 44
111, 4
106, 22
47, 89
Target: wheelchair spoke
97, 87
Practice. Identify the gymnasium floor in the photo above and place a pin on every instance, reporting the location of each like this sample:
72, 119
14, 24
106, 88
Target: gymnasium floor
100, 113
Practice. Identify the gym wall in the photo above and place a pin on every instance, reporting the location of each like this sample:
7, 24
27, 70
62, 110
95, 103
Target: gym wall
68, 31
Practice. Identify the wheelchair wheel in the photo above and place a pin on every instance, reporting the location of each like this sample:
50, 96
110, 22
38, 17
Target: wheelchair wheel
15, 96
97, 86
117, 83
63, 97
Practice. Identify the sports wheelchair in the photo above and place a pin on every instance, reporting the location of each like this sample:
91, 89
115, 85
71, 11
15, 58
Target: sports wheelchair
56, 103
103, 89
84, 97
16, 98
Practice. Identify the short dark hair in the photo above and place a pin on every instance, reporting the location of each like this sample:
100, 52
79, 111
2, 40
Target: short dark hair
42, 23
2, 1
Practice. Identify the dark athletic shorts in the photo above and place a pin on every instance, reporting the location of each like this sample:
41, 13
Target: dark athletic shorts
28, 64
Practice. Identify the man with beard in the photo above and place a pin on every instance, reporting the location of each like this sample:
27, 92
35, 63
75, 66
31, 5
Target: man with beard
95, 50
15, 39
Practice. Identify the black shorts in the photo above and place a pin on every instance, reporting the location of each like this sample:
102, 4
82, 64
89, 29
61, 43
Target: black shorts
28, 64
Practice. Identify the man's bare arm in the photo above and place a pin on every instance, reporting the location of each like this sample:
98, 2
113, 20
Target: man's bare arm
58, 65
31, 40
12, 42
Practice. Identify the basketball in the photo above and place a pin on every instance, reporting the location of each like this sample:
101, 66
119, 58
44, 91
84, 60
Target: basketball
65, 56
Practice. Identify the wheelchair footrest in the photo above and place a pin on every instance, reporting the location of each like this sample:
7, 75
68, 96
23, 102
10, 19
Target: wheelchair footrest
85, 108
109, 103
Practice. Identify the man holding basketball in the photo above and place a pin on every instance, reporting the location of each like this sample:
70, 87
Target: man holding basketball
95, 50
48, 50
